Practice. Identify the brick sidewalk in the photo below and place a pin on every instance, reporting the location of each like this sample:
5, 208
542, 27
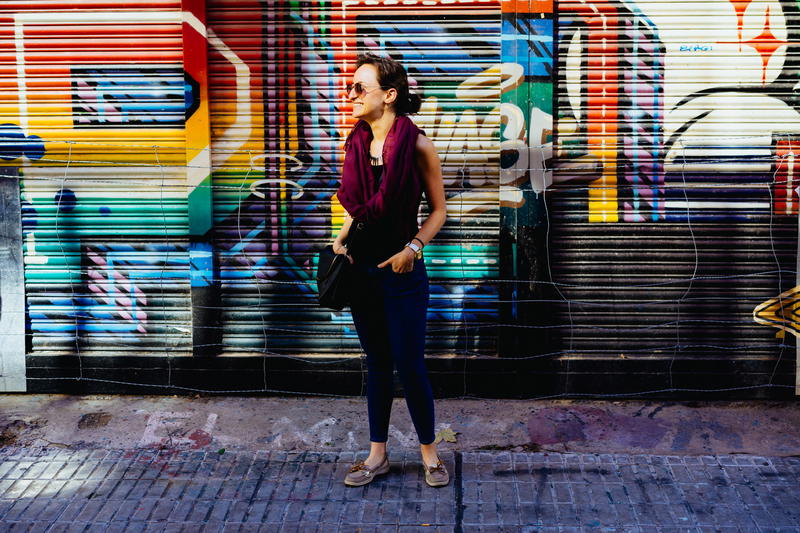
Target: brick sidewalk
147, 490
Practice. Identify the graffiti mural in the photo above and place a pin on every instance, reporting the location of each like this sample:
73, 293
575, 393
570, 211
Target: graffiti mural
672, 217
732, 177
139, 97
526, 173
620, 177
101, 129
610, 126
276, 209
636, 132
786, 148
527, 103
125, 283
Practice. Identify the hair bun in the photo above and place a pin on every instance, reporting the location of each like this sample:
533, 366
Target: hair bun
414, 102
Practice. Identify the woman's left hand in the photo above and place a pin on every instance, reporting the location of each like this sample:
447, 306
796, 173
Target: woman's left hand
402, 261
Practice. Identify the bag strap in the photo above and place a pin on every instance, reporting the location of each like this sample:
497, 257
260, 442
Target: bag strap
330, 267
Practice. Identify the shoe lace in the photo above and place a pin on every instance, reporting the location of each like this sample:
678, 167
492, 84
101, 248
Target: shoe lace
438, 468
360, 465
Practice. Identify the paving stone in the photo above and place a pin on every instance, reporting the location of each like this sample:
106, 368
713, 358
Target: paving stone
16, 510
125, 510
219, 510
89, 510
212, 526
147, 490
238, 510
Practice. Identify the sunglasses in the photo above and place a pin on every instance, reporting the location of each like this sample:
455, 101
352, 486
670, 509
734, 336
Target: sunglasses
361, 89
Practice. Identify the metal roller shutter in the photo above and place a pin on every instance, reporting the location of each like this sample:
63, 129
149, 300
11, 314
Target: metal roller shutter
641, 204
673, 216
274, 198
96, 98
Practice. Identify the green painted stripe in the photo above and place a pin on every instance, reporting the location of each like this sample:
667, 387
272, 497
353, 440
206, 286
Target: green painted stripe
201, 209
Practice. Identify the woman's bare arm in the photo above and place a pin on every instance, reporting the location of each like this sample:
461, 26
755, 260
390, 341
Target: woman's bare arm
431, 170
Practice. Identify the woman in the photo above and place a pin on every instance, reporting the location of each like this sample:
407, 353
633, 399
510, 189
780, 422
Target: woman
388, 164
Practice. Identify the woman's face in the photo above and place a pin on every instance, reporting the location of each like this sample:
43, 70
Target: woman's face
371, 101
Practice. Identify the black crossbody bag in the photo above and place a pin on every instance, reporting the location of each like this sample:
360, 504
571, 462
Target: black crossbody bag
334, 279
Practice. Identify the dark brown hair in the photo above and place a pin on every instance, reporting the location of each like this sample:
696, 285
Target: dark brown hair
392, 75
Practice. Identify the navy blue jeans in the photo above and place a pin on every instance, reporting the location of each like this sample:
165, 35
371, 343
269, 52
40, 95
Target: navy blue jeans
390, 313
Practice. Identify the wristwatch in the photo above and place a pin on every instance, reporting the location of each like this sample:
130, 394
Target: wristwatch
417, 250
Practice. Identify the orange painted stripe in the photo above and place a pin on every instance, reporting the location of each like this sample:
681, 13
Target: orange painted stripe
526, 6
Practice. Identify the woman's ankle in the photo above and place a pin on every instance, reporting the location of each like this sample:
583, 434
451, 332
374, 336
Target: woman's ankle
377, 452
429, 453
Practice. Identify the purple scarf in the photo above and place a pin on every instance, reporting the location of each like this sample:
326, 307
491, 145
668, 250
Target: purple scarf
397, 200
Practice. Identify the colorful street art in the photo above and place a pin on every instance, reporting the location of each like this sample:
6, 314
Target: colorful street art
610, 165
612, 69
677, 124
144, 145
659, 124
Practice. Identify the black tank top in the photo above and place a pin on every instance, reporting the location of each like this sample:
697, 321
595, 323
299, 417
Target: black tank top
373, 243
377, 171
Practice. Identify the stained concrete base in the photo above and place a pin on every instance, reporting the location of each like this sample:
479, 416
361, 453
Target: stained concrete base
339, 424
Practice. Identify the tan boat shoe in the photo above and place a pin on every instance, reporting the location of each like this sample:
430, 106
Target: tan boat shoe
360, 474
436, 476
